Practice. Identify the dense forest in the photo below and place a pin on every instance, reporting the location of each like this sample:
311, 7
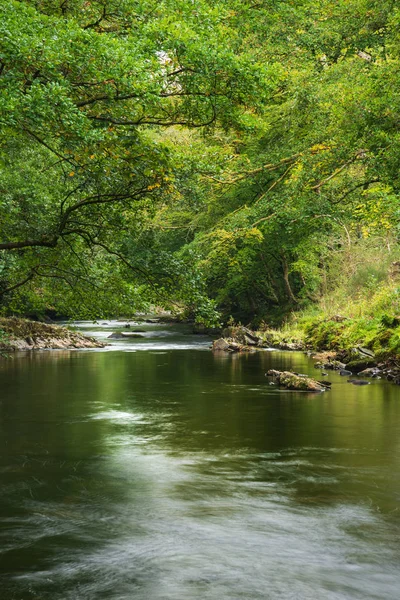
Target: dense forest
232, 158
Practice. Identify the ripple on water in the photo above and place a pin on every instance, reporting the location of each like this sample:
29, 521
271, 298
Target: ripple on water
119, 416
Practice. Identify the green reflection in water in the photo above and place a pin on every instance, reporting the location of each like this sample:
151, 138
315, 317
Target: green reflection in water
184, 474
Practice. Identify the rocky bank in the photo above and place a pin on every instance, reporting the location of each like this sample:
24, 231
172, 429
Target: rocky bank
22, 334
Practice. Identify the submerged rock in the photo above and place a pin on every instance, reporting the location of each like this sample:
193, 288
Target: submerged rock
358, 382
123, 335
291, 381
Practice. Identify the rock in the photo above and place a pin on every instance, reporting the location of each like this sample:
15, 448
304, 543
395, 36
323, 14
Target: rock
364, 55
123, 335
358, 382
241, 335
344, 372
366, 351
291, 381
327, 384
370, 372
24, 334
332, 365
132, 334
228, 346
220, 345
250, 341
356, 366
292, 346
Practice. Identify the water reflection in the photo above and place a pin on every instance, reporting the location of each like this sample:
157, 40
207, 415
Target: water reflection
177, 475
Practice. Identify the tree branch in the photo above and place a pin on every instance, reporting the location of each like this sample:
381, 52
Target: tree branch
245, 174
359, 154
19, 284
46, 243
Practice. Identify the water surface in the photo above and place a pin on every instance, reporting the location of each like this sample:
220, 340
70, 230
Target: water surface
155, 473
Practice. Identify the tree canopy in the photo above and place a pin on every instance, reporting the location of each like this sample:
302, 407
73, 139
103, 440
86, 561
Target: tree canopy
205, 154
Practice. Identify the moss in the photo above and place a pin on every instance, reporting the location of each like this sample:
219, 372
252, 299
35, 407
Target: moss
356, 366
291, 382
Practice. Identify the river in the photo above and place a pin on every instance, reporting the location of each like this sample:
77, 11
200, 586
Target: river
156, 470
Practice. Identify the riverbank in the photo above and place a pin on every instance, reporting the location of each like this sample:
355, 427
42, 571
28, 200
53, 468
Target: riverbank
23, 334
359, 332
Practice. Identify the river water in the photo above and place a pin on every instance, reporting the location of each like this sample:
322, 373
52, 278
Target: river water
155, 470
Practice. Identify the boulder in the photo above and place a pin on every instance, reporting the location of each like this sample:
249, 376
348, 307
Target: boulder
241, 335
222, 345
356, 366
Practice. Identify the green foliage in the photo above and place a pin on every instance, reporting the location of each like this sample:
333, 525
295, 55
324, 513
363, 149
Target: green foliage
223, 156
84, 88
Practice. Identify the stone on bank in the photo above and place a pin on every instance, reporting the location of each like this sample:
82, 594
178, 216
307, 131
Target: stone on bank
22, 334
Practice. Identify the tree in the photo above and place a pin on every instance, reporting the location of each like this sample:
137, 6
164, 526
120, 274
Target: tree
321, 156
85, 86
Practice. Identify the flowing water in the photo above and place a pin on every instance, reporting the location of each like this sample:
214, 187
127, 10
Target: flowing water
155, 470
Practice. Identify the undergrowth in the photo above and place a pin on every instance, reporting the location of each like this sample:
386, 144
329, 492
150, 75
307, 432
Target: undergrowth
360, 307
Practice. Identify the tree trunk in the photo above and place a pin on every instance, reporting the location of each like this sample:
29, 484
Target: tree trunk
286, 279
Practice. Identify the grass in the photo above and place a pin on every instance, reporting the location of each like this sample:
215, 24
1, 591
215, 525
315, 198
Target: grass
361, 306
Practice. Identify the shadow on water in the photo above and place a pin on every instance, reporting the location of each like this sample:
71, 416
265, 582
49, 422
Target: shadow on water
179, 474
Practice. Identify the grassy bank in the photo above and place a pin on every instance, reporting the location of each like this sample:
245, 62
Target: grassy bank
360, 307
